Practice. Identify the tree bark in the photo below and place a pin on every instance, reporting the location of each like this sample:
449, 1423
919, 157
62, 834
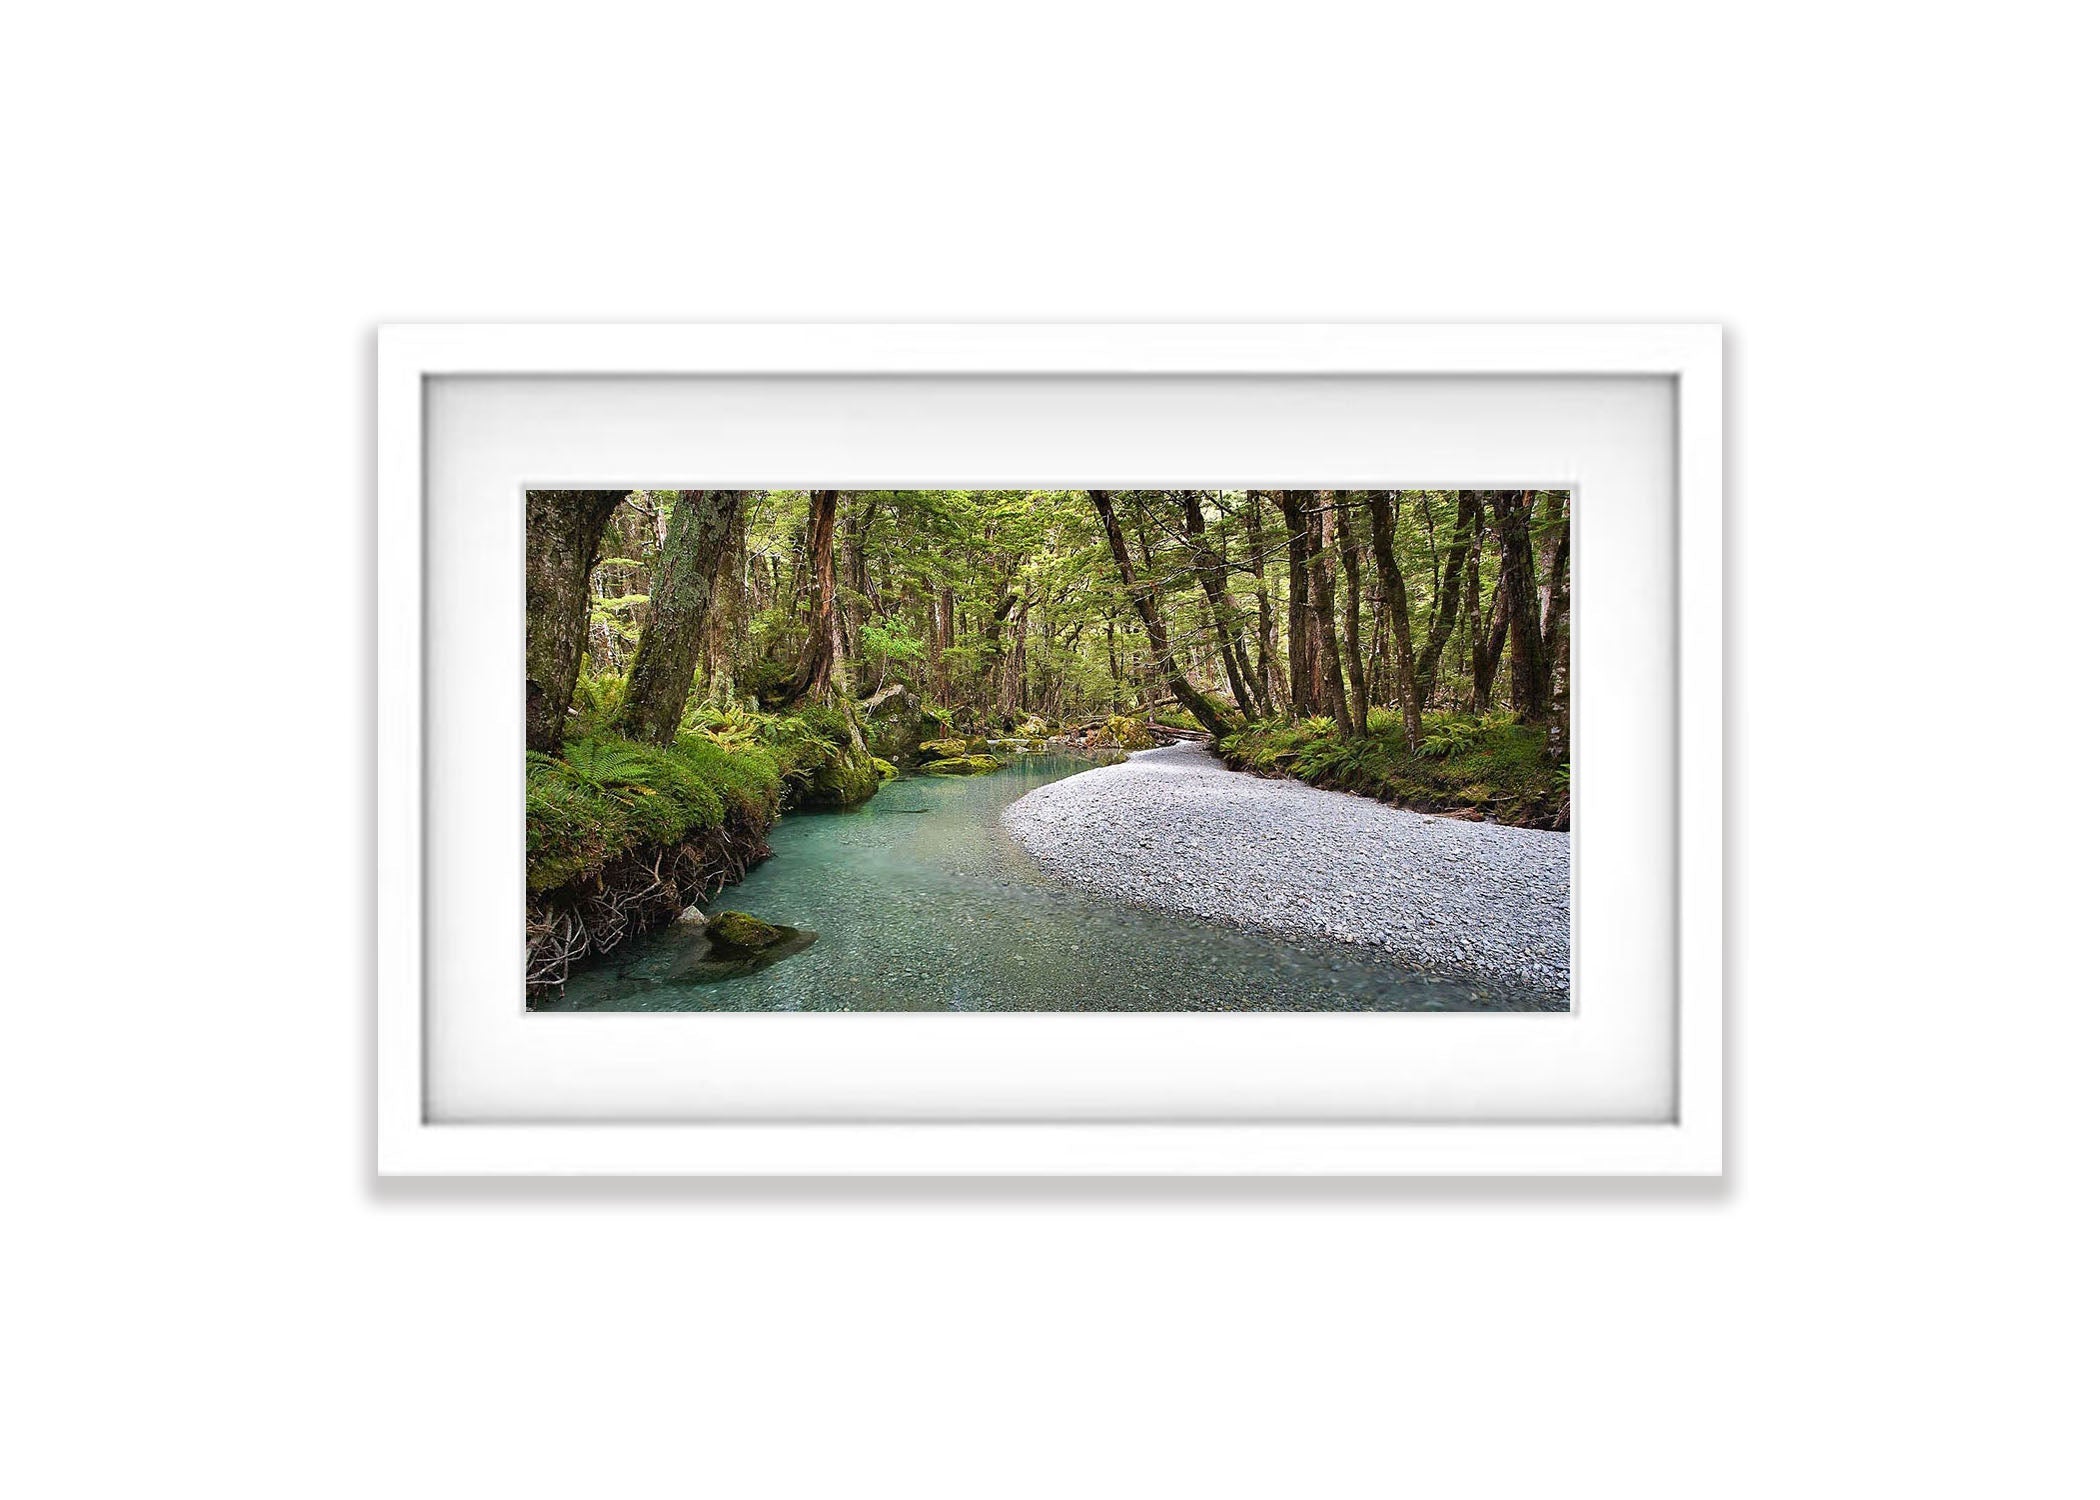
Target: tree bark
562, 530
1530, 669
1305, 692
1334, 697
1205, 711
1393, 585
1352, 643
1443, 615
1224, 615
1556, 626
681, 594
1266, 669
822, 670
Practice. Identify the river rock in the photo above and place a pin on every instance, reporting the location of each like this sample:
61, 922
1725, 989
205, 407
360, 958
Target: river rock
744, 933
962, 765
895, 724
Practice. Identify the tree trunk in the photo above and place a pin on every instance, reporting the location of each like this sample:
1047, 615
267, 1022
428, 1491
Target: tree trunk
726, 613
1393, 585
1487, 647
1205, 711
1334, 698
1556, 627
823, 668
1305, 693
1352, 643
562, 529
1224, 616
1443, 614
1530, 669
680, 595
1268, 675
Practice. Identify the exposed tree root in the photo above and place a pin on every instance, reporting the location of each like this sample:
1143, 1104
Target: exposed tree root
635, 893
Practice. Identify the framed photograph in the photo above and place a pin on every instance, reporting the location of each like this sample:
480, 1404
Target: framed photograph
1079, 750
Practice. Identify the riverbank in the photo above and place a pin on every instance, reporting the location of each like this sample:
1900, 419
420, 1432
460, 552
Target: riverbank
918, 900
622, 837
1488, 767
1173, 830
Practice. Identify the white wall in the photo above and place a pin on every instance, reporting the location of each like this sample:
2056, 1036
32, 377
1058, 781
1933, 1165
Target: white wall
211, 207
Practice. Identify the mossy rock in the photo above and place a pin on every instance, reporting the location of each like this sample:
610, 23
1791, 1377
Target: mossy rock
844, 782
883, 769
1122, 732
944, 749
744, 932
977, 744
1031, 728
962, 765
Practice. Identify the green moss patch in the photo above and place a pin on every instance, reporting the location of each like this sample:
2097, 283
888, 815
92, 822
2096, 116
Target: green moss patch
604, 797
1487, 765
962, 765
743, 932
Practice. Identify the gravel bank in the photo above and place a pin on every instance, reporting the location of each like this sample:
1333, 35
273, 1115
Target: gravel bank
1174, 830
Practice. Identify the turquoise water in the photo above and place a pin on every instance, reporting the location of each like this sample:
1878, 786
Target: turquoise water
918, 900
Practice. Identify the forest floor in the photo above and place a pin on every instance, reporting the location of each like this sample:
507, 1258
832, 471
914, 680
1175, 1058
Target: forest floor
1489, 767
1174, 830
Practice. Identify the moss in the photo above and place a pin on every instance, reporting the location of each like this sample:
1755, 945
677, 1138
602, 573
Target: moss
1122, 732
603, 797
846, 780
1491, 765
741, 930
883, 769
942, 749
962, 765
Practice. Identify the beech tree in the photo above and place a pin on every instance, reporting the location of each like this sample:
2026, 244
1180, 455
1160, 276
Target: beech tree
1392, 587
1206, 712
681, 594
563, 529
1531, 690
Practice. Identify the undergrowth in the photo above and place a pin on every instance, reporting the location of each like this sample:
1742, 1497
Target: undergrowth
603, 797
1488, 764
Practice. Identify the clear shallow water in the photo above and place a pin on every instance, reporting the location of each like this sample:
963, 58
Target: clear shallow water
920, 901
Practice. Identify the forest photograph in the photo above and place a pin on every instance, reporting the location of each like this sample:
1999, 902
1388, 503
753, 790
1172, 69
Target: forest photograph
1047, 750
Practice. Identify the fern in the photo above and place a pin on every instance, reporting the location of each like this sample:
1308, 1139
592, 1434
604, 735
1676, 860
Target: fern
603, 765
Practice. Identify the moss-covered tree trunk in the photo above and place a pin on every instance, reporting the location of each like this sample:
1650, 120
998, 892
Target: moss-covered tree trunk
1530, 668
1392, 584
1206, 712
562, 531
681, 593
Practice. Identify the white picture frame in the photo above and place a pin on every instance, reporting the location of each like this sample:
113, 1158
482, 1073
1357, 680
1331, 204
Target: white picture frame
1688, 1142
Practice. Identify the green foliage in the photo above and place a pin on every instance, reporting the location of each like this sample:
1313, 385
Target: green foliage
1124, 732
604, 797
891, 643
1490, 764
596, 703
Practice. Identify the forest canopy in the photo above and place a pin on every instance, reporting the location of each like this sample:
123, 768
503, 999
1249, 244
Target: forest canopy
1221, 606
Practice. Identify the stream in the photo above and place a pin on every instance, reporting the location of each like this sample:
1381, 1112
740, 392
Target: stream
919, 900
